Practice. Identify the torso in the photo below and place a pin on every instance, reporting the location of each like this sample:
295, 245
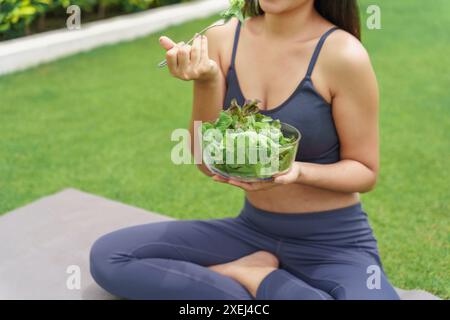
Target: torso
272, 73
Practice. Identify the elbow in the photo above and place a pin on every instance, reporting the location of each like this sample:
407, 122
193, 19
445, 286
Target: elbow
368, 188
370, 183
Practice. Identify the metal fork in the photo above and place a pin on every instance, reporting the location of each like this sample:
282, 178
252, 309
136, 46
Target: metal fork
216, 24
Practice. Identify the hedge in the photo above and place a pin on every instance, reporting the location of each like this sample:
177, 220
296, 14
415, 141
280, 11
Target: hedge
22, 17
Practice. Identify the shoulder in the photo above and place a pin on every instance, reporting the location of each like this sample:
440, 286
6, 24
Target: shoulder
223, 33
346, 63
220, 43
344, 52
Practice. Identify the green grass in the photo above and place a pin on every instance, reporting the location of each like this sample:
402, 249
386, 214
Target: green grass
101, 122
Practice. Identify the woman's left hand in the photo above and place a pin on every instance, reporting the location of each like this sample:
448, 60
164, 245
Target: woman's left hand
281, 179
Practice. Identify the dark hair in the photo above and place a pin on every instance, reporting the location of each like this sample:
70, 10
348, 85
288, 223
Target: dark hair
342, 13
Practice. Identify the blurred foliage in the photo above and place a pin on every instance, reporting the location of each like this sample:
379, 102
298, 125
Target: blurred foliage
18, 17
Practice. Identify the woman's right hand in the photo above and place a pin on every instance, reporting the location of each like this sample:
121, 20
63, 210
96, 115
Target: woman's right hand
190, 62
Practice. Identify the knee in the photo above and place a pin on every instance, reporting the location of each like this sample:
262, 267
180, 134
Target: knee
101, 260
98, 259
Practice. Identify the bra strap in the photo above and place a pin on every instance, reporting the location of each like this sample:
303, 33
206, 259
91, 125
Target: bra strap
317, 51
235, 44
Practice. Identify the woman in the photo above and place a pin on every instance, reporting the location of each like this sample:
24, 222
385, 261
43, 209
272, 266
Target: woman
303, 235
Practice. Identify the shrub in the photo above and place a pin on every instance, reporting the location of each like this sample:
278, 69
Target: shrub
17, 16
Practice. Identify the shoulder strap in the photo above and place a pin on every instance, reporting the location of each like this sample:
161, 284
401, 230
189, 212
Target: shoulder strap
317, 51
236, 41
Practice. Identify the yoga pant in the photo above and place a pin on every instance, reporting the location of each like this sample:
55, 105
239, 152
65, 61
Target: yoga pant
323, 255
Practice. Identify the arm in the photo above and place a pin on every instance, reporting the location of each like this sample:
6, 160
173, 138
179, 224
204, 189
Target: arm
355, 111
199, 63
208, 95
354, 89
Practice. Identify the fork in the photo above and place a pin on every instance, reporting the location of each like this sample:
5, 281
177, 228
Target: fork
215, 24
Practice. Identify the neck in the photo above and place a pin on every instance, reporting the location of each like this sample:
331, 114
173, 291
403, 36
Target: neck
289, 23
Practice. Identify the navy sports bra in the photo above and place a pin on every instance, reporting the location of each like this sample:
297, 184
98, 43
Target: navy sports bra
305, 109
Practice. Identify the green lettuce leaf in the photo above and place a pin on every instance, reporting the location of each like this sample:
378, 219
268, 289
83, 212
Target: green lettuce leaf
235, 10
256, 131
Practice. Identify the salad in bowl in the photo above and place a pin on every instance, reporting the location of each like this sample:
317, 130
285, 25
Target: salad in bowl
246, 145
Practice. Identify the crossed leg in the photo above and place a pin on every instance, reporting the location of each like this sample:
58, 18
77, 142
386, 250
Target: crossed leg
170, 259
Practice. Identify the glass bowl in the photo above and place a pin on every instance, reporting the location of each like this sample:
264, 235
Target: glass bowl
254, 171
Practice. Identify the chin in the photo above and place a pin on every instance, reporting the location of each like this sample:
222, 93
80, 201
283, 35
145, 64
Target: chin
280, 6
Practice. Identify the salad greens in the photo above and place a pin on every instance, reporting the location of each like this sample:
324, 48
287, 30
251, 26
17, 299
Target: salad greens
235, 10
243, 143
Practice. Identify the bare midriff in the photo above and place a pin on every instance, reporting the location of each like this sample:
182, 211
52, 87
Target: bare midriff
299, 198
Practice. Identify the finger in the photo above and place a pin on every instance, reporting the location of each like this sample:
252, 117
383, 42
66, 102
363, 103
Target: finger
204, 50
196, 50
243, 185
293, 168
183, 57
288, 177
166, 43
263, 185
219, 179
279, 174
171, 58
291, 176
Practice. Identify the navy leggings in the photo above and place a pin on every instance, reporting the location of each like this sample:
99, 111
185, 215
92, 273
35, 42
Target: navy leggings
323, 255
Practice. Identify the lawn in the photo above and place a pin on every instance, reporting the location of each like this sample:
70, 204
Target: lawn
101, 122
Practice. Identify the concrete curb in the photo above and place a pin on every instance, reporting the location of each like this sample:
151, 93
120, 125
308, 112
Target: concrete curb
22, 53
